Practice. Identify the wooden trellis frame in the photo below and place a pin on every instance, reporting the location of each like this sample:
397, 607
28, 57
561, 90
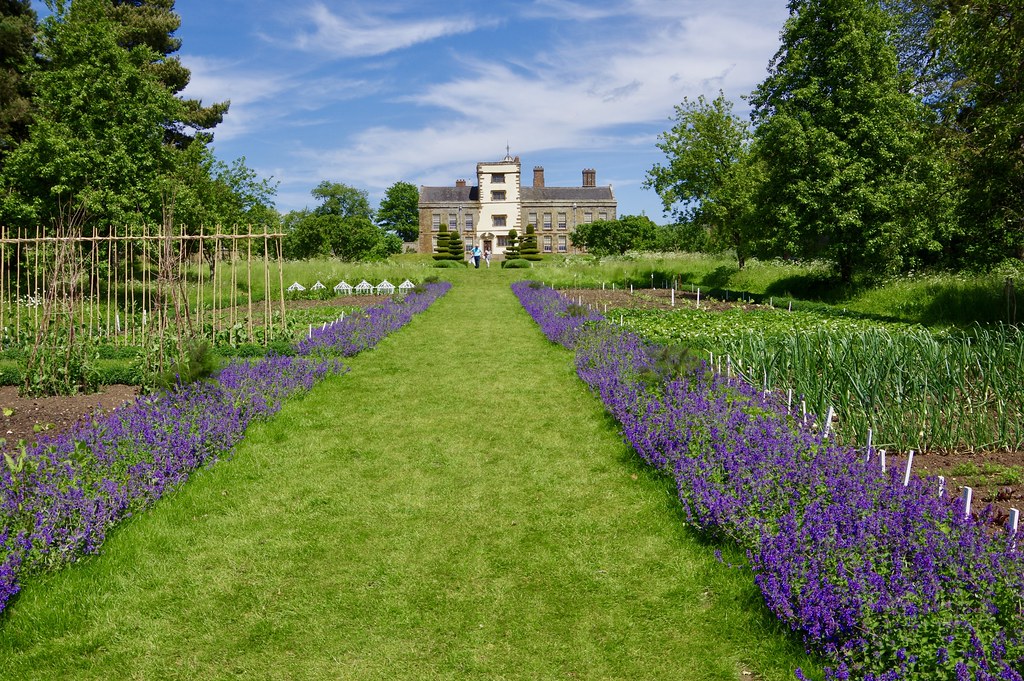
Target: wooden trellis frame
116, 302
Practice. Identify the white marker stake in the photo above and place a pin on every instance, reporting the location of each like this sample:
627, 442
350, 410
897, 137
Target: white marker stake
968, 493
881, 457
771, 302
869, 446
789, 402
906, 473
942, 485
1014, 520
117, 321
698, 297
310, 330
791, 306
673, 297
828, 421
803, 410
630, 288
602, 285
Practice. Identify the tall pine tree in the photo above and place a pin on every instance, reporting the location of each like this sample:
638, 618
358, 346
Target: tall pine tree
17, 29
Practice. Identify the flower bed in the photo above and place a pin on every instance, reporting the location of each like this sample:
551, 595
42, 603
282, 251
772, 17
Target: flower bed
59, 497
885, 581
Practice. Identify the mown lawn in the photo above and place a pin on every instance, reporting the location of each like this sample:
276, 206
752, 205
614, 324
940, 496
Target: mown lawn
458, 506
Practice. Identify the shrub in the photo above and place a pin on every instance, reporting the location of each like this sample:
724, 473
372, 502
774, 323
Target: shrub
529, 250
516, 264
449, 264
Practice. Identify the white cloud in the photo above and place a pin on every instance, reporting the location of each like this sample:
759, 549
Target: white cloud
263, 99
360, 34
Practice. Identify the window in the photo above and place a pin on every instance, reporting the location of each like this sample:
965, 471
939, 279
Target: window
498, 178
561, 221
563, 244
498, 195
588, 216
453, 221
469, 222
532, 220
435, 224
602, 215
499, 220
502, 241
435, 244
547, 244
547, 221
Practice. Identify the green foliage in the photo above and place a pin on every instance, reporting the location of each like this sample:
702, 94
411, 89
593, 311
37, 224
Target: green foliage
512, 249
153, 23
96, 144
450, 264
528, 248
443, 244
341, 200
195, 362
399, 211
341, 226
17, 29
516, 264
59, 365
456, 250
615, 237
712, 174
842, 142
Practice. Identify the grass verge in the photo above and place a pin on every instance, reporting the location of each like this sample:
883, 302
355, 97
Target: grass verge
457, 507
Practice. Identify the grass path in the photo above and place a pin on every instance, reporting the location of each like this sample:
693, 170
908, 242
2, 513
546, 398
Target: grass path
458, 506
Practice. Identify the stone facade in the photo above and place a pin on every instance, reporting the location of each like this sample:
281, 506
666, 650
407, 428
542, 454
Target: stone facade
484, 213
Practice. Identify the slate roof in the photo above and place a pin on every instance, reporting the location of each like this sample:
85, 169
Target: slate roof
527, 194
449, 194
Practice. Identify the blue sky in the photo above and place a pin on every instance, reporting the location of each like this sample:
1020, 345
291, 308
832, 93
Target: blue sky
370, 93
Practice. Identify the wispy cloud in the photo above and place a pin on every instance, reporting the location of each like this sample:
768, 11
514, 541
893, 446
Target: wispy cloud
264, 99
361, 34
585, 94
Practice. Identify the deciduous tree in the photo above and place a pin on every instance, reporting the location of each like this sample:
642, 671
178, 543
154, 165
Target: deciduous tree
399, 211
842, 141
711, 176
17, 30
615, 237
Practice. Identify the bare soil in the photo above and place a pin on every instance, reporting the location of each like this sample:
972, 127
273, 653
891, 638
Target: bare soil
996, 476
26, 418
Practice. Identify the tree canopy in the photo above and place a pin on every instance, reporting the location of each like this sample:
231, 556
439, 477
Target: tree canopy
842, 142
399, 211
341, 226
615, 237
712, 175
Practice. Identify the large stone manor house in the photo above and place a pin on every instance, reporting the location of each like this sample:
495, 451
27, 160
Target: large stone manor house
485, 212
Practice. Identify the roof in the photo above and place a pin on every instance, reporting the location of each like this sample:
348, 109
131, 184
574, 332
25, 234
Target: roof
527, 194
449, 194
566, 194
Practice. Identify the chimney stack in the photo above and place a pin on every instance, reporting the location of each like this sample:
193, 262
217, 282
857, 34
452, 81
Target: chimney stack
589, 177
460, 183
538, 176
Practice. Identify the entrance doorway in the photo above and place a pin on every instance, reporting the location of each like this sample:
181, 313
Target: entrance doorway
488, 246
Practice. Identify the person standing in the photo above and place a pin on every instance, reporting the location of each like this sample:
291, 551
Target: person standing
487, 257
476, 257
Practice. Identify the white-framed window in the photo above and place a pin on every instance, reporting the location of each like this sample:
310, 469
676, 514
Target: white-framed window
453, 221
500, 220
588, 216
434, 241
561, 221
532, 220
563, 244
547, 221
498, 178
547, 244
498, 195
469, 222
502, 241
602, 216
435, 222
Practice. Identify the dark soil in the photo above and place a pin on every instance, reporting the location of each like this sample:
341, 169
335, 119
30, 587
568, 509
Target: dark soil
996, 476
26, 418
